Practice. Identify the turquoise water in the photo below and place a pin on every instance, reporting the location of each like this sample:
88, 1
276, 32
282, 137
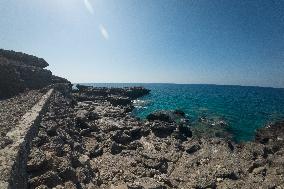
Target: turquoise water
244, 108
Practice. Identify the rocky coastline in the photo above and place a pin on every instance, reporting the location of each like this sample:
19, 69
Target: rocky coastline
20, 72
87, 138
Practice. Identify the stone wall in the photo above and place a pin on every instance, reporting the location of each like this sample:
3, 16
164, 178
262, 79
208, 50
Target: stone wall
13, 157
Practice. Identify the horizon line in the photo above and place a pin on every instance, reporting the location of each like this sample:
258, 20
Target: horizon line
171, 83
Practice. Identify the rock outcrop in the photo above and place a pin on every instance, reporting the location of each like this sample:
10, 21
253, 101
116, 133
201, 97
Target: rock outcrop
20, 72
168, 116
129, 92
116, 96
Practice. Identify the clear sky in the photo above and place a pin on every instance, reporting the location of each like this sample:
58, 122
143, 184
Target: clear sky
174, 41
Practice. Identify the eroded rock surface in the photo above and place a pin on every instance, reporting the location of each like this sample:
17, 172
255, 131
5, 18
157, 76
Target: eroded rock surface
87, 141
20, 72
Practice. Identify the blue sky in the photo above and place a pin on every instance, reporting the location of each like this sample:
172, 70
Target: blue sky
220, 42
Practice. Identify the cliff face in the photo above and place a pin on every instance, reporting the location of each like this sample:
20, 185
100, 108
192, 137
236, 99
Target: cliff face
20, 72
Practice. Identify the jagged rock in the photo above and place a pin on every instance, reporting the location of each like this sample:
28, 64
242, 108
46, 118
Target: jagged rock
51, 128
136, 133
136, 92
93, 116
162, 130
160, 116
78, 147
50, 179
134, 145
185, 130
167, 116
118, 100
80, 123
5, 141
158, 164
84, 160
57, 144
117, 96
96, 151
41, 139
19, 72
82, 115
23, 58
115, 148
84, 175
38, 162
273, 132
86, 132
68, 173
193, 149
121, 137
74, 158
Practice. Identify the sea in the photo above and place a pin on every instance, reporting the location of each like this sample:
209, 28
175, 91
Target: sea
243, 108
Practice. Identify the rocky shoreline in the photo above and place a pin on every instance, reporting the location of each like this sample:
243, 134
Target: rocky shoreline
87, 138
90, 140
20, 72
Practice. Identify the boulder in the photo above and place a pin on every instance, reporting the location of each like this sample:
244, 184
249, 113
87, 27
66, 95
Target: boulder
193, 148
68, 173
166, 116
136, 92
119, 101
162, 130
121, 137
116, 148
185, 130
96, 151
274, 132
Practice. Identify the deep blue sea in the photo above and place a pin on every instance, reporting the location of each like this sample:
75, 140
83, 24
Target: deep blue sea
244, 108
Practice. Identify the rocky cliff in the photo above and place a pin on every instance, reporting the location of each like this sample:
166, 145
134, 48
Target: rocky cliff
20, 72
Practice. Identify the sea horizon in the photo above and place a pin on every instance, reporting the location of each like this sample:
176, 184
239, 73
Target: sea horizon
170, 83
